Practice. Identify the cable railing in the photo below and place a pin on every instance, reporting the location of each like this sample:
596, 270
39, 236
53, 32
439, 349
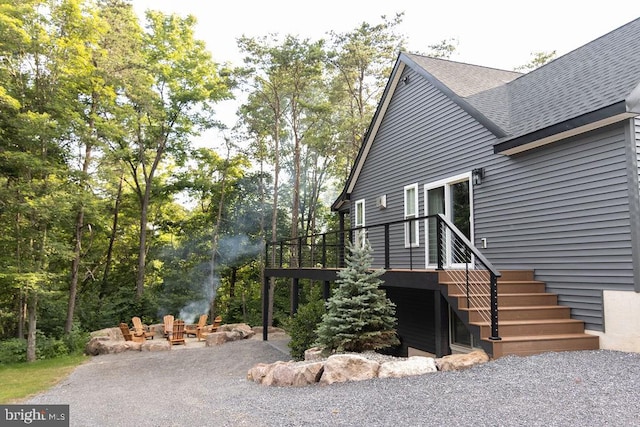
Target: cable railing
445, 248
473, 275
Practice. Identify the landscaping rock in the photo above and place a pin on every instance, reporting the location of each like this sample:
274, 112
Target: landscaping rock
110, 333
288, 374
457, 362
155, 345
313, 354
104, 345
244, 330
415, 365
348, 367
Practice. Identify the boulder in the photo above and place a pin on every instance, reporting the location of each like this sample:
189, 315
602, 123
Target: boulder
457, 362
155, 345
111, 333
348, 367
244, 330
313, 354
259, 371
217, 338
414, 365
282, 374
104, 345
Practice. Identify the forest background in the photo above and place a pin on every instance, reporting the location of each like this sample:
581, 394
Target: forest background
108, 210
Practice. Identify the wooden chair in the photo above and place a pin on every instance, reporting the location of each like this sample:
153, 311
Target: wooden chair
195, 329
177, 335
128, 336
139, 329
210, 329
168, 325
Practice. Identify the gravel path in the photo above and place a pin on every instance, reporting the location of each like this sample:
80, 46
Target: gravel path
208, 386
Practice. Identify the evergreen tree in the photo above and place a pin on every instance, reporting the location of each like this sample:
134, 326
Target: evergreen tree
359, 315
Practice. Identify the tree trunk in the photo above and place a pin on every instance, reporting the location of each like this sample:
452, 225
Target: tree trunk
142, 245
215, 236
31, 337
79, 226
274, 215
112, 240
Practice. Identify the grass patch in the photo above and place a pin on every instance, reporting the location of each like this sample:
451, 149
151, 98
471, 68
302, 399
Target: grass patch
21, 380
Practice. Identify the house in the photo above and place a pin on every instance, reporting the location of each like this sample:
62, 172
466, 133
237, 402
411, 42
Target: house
535, 175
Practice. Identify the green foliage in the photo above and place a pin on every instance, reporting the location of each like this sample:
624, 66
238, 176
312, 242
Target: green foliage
76, 340
359, 315
50, 348
302, 327
13, 350
538, 59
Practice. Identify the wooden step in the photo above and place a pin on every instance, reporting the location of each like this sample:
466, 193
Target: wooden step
535, 344
506, 275
509, 300
521, 313
506, 287
514, 328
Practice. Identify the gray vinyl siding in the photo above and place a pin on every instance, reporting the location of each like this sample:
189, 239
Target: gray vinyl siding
634, 195
563, 210
424, 137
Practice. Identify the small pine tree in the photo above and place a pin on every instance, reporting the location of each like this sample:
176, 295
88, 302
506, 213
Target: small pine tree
359, 315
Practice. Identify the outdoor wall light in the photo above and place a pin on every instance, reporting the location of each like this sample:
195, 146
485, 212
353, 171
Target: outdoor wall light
405, 80
477, 175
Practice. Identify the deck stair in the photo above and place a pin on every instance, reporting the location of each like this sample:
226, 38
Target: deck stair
530, 321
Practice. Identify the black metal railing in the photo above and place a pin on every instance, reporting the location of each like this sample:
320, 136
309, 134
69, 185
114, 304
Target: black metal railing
445, 248
474, 276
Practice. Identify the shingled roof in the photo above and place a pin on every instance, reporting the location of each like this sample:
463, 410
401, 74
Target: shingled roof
601, 78
590, 87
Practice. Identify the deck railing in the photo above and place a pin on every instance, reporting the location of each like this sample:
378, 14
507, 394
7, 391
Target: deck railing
446, 248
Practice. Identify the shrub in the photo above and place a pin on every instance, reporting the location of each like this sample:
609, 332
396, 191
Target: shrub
13, 350
49, 348
302, 328
76, 340
359, 315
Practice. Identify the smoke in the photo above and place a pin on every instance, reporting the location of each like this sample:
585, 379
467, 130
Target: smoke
232, 250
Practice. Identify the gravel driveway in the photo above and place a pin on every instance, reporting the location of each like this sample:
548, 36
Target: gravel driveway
208, 387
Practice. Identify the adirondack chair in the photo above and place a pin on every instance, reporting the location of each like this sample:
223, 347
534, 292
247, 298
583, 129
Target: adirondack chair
139, 330
210, 329
168, 325
128, 336
177, 335
195, 329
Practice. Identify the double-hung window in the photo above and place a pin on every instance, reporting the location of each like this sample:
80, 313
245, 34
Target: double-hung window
411, 228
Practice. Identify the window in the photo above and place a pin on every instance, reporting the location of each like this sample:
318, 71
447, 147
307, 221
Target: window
411, 229
359, 217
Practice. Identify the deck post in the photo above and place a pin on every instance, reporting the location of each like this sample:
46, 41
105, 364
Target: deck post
441, 314
326, 290
295, 295
265, 309
439, 242
494, 308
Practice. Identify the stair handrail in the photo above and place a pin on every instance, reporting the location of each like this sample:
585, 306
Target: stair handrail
494, 274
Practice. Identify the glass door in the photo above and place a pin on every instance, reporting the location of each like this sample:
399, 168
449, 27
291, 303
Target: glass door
452, 198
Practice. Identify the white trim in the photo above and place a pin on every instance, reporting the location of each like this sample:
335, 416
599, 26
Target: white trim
446, 183
415, 214
379, 115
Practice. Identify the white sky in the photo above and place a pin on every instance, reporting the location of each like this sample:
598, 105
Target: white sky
493, 33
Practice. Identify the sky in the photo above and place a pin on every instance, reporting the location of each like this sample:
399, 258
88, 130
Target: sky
492, 33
